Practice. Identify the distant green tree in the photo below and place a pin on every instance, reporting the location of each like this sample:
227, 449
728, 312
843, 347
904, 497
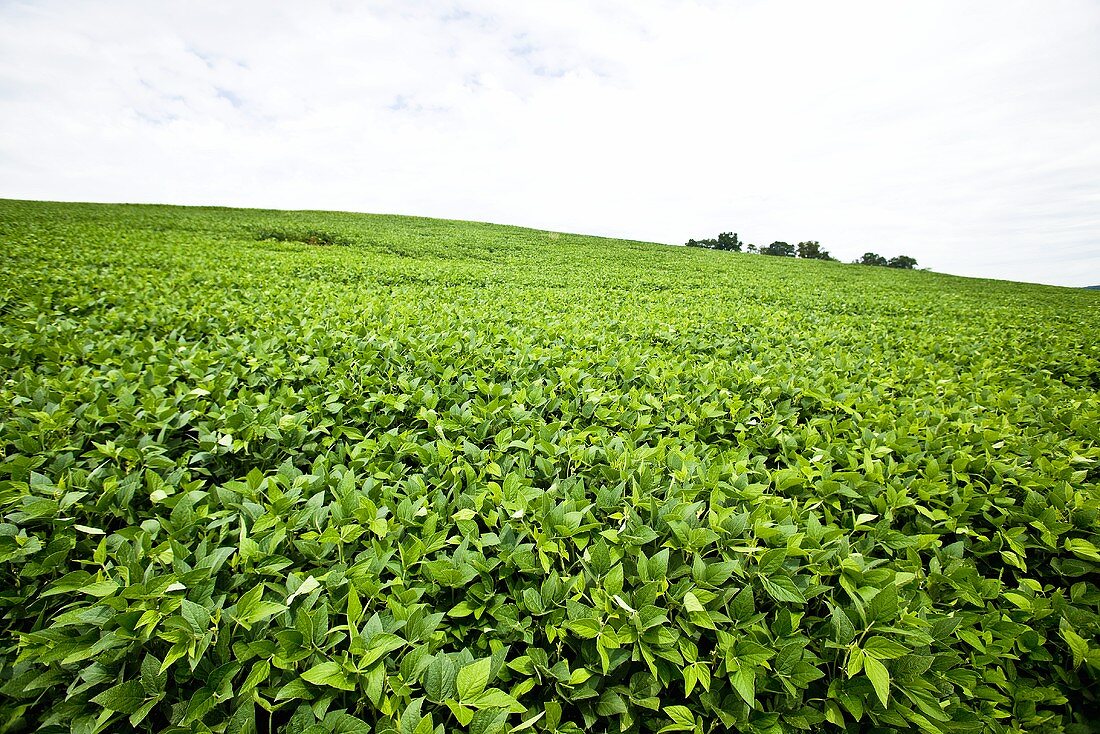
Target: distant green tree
751, 248
728, 241
725, 241
902, 261
871, 258
782, 249
812, 251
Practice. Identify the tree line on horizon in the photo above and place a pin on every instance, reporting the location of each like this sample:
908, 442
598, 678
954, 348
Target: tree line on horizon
810, 250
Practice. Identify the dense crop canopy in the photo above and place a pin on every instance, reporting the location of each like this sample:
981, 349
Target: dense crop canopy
447, 476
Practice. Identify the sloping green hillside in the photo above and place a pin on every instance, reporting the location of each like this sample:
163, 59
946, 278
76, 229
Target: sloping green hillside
309, 472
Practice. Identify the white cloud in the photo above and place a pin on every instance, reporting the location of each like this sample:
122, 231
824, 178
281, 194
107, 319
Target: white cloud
962, 134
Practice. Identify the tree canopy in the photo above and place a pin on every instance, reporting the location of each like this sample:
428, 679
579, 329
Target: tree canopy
902, 261
872, 258
811, 250
725, 241
808, 250
899, 261
780, 249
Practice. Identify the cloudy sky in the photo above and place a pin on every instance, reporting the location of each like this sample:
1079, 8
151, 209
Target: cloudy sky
964, 134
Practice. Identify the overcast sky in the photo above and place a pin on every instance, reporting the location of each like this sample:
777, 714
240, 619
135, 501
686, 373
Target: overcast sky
964, 134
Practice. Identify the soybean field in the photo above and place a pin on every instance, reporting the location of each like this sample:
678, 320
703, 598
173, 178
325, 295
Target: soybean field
312, 472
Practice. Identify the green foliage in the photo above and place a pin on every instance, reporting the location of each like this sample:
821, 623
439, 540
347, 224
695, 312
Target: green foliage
872, 258
812, 251
725, 241
306, 236
902, 261
780, 249
461, 477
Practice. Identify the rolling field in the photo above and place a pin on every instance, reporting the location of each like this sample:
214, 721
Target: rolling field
317, 472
